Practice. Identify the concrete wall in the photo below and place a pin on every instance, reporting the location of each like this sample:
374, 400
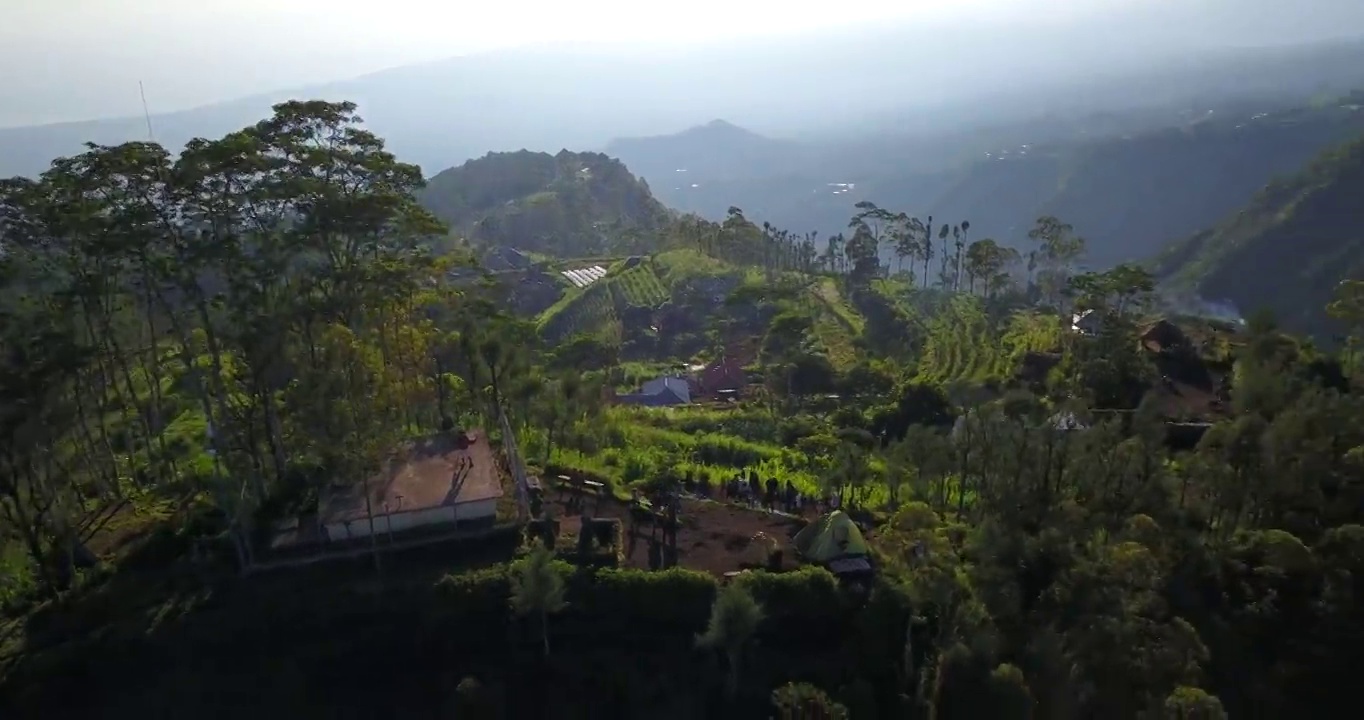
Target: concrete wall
398, 522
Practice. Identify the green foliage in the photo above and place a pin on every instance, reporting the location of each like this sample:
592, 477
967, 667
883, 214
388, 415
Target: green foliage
1191, 703
637, 445
481, 593
964, 343
734, 619
629, 598
582, 311
537, 585
537, 588
570, 204
802, 701
600, 308
676, 597
794, 599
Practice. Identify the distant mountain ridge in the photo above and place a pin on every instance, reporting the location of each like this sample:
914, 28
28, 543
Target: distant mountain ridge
443, 113
1287, 249
1128, 193
569, 204
1132, 195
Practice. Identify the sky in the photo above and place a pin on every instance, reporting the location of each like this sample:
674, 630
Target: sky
66, 60
63, 60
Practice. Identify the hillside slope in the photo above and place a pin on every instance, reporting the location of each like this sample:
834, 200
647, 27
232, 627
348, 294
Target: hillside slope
570, 204
625, 301
1130, 196
1287, 249
669, 304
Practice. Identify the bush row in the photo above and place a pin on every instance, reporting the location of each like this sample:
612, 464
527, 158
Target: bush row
675, 599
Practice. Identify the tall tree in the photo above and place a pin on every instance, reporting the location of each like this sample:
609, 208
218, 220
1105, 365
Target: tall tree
734, 619
538, 589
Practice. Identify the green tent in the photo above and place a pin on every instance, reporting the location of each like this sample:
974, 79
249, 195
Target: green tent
833, 536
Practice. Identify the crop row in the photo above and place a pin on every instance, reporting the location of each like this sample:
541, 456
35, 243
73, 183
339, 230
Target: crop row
963, 343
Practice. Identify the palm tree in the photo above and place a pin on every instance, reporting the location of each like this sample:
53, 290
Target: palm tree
538, 589
734, 618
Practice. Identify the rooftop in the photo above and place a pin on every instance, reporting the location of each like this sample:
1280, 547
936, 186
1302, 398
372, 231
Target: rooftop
435, 471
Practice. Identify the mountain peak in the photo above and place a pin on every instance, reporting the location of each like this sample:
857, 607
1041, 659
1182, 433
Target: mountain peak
715, 131
720, 126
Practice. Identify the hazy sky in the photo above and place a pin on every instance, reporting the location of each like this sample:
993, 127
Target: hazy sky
80, 59
76, 59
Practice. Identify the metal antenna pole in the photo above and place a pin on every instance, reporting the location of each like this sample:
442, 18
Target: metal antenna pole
146, 113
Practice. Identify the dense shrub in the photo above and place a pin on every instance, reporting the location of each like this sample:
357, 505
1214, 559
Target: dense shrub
801, 701
479, 593
675, 598
801, 601
679, 599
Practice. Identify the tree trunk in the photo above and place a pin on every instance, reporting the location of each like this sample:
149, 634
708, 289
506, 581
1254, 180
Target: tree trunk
732, 681
544, 630
274, 437
26, 522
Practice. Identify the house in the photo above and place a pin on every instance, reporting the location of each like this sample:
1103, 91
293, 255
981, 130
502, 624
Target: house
1163, 336
659, 392
675, 384
1088, 322
724, 374
448, 479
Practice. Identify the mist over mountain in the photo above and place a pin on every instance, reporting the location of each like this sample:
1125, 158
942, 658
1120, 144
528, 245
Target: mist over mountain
895, 78
1129, 183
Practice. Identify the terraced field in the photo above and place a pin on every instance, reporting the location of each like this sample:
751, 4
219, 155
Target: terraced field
650, 282
639, 286
837, 325
581, 310
964, 345
596, 309
676, 265
629, 283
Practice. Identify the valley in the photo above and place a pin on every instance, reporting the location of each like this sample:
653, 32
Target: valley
1108, 186
1010, 370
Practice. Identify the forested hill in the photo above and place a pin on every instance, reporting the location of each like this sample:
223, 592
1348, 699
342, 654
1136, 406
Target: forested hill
1288, 249
566, 204
718, 149
1130, 196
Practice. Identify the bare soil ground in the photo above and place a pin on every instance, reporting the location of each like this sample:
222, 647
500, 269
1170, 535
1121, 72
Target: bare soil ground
715, 537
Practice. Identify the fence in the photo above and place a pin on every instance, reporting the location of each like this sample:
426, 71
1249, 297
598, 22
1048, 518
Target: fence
516, 466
